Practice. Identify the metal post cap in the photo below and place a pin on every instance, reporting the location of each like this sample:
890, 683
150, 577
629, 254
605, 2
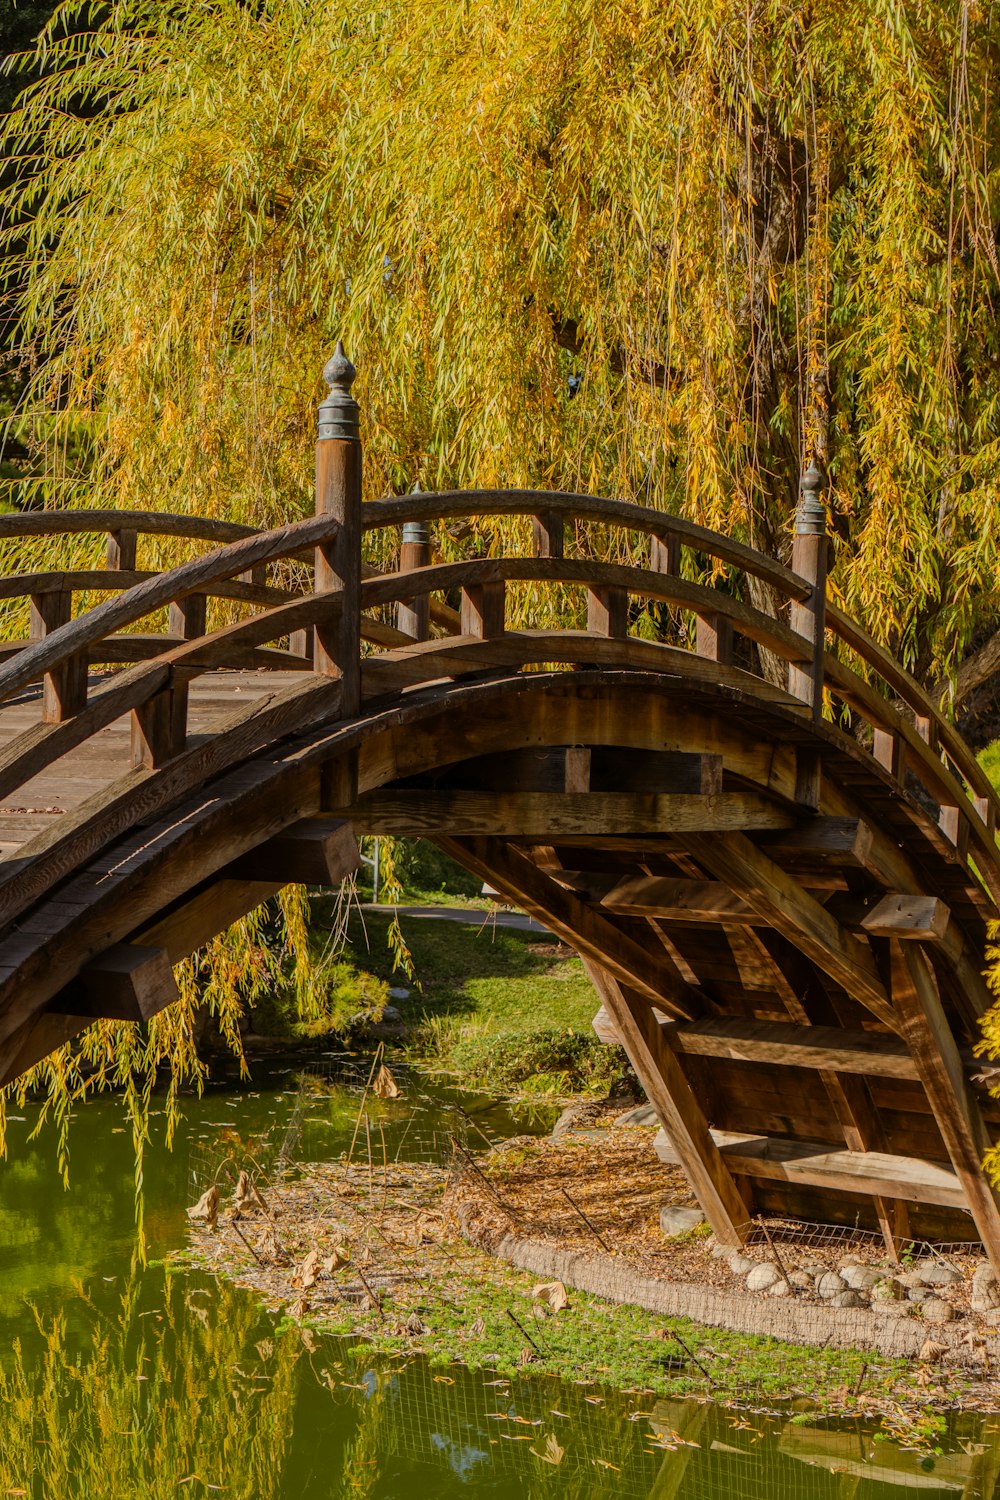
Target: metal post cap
810, 513
417, 532
338, 414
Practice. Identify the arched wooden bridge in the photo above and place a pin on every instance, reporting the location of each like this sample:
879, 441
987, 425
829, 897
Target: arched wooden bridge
781, 891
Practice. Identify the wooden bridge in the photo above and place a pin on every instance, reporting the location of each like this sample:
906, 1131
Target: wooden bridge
774, 854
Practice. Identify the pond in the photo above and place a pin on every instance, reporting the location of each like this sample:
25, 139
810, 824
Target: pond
125, 1382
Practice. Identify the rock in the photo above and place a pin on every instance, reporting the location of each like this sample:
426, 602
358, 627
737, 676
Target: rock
934, 1274
740, 1264
573, 1117
916, 1293
889, 1289
762, 1277
779, 1289
985, 1290
643, 1114
861, 1278
720, 1251
849, 1298
801, 1280
391, 1016
399, 992
675, 1220
910, 1278
830, 1284
937, 1310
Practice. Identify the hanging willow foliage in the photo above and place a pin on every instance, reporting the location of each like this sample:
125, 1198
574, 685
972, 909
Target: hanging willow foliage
658, 249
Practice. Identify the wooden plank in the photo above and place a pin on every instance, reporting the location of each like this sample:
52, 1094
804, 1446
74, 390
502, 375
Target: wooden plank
678, 900
591, 933
797, 915
898, 916
315, 851
822, 843
420, 814
873, 1173
193, 922
939, 1067
679, 1111
129, 982
785, 1045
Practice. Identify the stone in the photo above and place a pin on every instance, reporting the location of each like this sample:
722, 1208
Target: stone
910, 1278
643, 1114
848, 1298
801, 1280
399, 992
916, 1293
937, 1310
830, 1284
779, 1289
675, 1220
573, 1118
391, 1016
985, 1290
762, 1277
861, 1278
888, 1289
934, 1274
721, 1251
740, 1264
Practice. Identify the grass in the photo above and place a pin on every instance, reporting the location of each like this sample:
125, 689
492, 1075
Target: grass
504, 1009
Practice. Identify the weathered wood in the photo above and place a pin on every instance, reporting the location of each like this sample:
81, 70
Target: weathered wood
484, 610
798, 916
548, 535
193, 922
121, 549
924, 917
714, 637
421, 814
783, 1044
317, 851
159, 727
65, 683
874, 1173
413, 615
939, 1066
129, 982
679, 1111
607, 611
337, 569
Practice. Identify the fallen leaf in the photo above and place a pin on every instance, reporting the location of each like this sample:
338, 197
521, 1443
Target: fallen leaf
385, 1086
415, 1325
553, 1454
308, 1273
246, 1195
932, 1349
265, 1348
207, 1207
526, 1358
340, 1257
551, 1294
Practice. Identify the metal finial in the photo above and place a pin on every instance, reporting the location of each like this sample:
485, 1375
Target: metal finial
810, 513
416, 531
338, 414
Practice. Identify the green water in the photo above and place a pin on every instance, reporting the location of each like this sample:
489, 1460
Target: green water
125, 1383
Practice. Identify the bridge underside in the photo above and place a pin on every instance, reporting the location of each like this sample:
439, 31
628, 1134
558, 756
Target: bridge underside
787, 947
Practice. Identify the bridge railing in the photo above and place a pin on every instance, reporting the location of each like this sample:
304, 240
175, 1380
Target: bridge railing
830, 661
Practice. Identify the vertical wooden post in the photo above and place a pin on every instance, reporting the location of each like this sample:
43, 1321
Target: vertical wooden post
547, 534
121, 551
413, 615
337, 644
809, 561
64, 689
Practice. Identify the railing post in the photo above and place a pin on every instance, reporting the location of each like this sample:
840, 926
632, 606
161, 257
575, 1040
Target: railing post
809, 561
413, 615
337, 645
64, 688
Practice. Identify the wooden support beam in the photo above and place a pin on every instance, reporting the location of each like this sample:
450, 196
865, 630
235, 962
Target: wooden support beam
679, 1111
484, 610
64, 688
939, 1067
923, 917
816, 1164
545, 816
194, 921
790, 910
592, 934
678, 900
129, 982
316, 851
783, 1044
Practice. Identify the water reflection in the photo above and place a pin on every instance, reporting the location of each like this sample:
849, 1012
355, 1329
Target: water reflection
119, 1383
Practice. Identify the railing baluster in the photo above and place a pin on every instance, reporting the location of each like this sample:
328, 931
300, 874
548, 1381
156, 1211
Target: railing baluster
159, 727
665, 553
121, 550
887, 749
714, 637
337, 645
64, 689
607, 612
548, 534
484, 607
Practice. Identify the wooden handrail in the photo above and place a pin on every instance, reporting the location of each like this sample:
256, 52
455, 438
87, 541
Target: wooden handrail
446, 504
216, 567
146, 522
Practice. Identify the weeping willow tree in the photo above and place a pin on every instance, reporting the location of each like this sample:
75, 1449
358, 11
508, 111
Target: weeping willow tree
665, 251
